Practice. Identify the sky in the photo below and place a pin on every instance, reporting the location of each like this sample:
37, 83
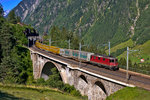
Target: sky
8, 5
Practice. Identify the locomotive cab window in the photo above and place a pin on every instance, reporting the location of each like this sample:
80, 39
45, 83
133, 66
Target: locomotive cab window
99, 58
94, 57
112, 60
103, 59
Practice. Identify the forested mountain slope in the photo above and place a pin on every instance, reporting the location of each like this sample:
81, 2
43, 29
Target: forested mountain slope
96, 21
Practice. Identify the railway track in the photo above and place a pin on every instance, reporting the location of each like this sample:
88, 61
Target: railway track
138, 80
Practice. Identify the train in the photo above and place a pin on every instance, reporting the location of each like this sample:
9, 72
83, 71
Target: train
100, 60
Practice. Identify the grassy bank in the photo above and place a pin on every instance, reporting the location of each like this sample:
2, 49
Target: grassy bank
21, 92
129, 93
142, 51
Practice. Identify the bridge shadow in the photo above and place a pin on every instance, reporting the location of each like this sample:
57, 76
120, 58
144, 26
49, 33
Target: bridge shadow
6, 96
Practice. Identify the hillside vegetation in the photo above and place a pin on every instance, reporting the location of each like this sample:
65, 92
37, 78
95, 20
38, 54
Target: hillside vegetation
135, 64
141, 53
95, 21
15, 62
121, 47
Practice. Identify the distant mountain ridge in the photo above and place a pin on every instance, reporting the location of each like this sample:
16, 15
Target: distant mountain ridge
96, 21
26, 7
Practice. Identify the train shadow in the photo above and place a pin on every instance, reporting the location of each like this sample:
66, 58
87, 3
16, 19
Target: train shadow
6, 96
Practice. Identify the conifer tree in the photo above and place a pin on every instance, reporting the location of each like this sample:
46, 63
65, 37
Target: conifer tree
1, 10
12, 18
7, 42
18, 19
7, 39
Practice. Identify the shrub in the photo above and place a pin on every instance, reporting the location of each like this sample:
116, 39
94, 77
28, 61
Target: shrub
67, 88
41, 81
75, 93
70, 89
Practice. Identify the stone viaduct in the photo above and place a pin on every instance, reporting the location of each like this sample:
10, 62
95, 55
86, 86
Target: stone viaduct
90, 84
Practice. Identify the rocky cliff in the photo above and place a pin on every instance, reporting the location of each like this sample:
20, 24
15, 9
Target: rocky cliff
96, 21
26, 8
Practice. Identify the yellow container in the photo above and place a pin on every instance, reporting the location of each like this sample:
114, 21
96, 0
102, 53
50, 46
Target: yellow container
52, 49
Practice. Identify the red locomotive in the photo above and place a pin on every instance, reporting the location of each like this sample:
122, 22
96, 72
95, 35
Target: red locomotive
105, 61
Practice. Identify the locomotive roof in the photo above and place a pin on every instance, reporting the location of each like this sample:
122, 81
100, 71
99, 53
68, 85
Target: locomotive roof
105, 56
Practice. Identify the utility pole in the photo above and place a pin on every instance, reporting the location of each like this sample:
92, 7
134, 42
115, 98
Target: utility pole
69, 43
79, 48
127, 76
109, 47
79, 54
50, 41
42, 38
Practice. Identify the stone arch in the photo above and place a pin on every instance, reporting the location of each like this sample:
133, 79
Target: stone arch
99, 91
46, 70
83, 84
84, 78
100, 84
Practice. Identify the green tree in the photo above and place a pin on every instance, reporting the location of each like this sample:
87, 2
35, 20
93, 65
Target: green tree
8, 71
122, 61
75, 42
7, 39
18, 19
41, 81
55, 79
22, 62
1, 10
7, 42
0, 53
15, 62
64, 33
19, 35
62, 36
12, 18
1, 23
